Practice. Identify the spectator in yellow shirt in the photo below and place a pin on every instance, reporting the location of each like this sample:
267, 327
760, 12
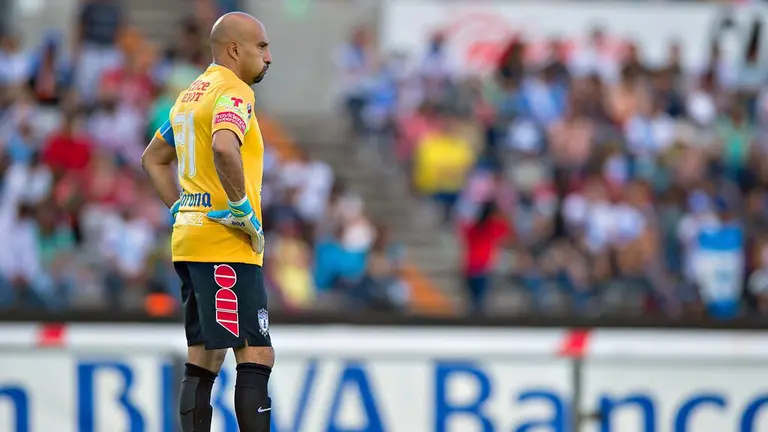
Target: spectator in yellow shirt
442, 162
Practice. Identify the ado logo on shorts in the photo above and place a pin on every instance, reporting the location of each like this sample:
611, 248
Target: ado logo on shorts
226, 299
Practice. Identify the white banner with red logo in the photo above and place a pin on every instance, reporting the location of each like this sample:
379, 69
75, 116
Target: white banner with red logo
478, 31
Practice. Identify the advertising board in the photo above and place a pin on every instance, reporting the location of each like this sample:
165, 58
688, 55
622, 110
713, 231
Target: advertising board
64, 391
435, 380
697, 395
478, 31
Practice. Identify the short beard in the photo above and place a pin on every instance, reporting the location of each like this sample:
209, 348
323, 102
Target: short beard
261, 75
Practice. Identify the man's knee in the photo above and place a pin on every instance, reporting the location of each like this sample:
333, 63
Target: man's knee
259, 355
207, 359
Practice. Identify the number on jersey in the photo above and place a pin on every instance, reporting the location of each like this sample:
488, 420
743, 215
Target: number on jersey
185, 143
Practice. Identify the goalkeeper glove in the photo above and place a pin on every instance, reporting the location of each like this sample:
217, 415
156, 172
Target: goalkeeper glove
241, 216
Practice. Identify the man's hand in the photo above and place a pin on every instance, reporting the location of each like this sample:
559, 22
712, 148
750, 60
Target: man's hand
241, 216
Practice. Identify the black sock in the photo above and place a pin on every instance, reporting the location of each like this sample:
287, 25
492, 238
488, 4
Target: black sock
253, 406
195, 399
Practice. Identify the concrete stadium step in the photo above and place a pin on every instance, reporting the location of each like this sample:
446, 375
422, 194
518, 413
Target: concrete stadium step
418, 238
444, 259
385, 189
453, 288
158, 20
324, 132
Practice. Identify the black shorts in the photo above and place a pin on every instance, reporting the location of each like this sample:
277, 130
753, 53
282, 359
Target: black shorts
224, 304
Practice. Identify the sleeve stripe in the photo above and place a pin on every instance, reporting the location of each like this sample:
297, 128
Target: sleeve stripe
166, 131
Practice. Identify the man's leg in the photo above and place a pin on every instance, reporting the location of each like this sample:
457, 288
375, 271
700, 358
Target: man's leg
233, 310
253, 406
200, 372
195, 411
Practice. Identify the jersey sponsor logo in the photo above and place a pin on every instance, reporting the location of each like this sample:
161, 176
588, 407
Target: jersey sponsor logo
199, 85
232, 118
195, 91
224, 276
191, 97
226, 299
196, 199
232, 103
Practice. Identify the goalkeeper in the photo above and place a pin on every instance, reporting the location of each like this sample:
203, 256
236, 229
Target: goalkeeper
217, 241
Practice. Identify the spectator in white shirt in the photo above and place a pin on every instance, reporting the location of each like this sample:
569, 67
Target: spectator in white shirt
128, 239
313, 179
13, 180
722, 70
22, 268
700, 215
99, 26
435, 68
118, 128
355, 62
701, 105
314, 195
436, 64
599, 55
14, 63
357, 234
39, 181
650, 134
604, 224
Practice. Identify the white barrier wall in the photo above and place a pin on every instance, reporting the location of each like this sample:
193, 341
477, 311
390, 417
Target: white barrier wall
89, 378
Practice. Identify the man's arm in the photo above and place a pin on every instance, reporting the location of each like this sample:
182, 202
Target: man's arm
229, 163
231, 115
157, 160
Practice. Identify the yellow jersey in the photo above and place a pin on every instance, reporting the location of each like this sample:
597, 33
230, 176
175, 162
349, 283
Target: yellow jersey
216, 100
441, 163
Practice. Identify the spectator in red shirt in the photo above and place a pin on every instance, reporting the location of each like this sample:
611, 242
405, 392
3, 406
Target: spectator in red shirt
106, 184
482, 239
67, 150
131, 81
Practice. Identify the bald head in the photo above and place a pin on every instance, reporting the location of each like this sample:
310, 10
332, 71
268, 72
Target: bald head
238, 41
234, 27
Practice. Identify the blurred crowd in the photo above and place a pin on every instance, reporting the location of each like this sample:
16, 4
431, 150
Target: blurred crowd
579, 177
82, 227
583, 178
